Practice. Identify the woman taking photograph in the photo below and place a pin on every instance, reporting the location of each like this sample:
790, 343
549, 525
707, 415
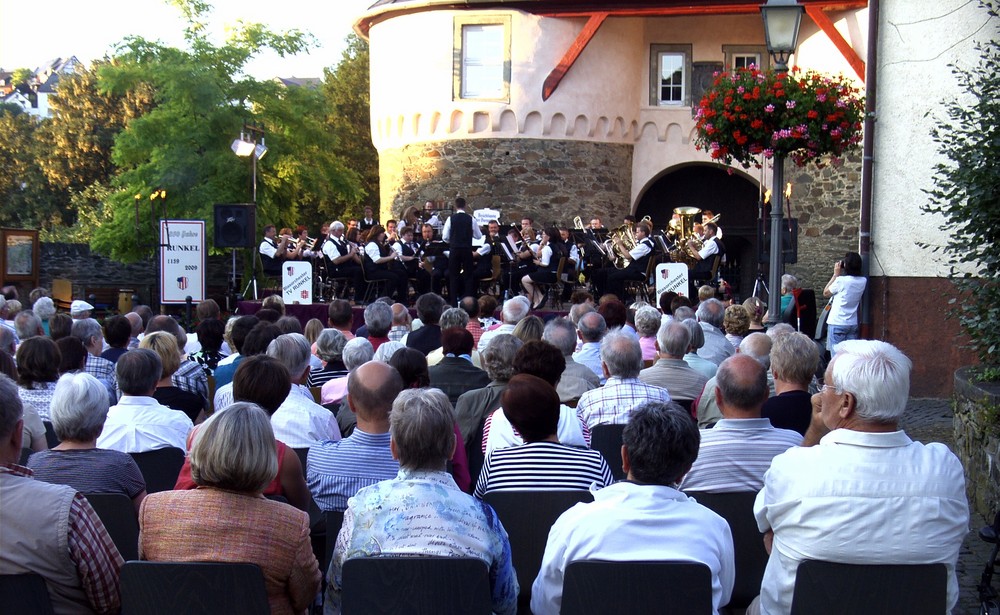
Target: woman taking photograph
381, 262
846, 287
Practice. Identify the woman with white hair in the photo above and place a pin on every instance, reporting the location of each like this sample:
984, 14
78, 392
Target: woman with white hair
78, 410
329, 347
647, 323
44, 309
356, 353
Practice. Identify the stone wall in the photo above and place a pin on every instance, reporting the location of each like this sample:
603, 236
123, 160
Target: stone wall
827, 202
977, 427
552, 181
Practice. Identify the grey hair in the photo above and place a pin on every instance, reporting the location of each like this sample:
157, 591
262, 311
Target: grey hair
422, 427
697, 333
330, 345
235, 450
79, 407
622, 354
27, 324
757, 346
292, 350
386, 350
357, 352
742, 382
647, 321
138, 371
674, 338
11, 408
454, 317
336, 225
7, 340
515, 309
592, 327
782, 328
498, 357
85, 329
794, 358
789, 282
877, 374
683, 312
711, 311
378, 318
577, 311
44, 308
561, 333
661, 441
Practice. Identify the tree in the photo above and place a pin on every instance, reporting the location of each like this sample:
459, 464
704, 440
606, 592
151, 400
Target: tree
26, 199
201, 98
967, 193
347, 91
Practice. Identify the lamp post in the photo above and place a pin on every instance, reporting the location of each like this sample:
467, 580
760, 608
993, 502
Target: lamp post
781, 31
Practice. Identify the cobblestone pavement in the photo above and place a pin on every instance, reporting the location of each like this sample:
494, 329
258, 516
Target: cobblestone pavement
930, 420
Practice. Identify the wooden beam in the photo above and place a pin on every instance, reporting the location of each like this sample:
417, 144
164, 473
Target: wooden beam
838, 40
569, 58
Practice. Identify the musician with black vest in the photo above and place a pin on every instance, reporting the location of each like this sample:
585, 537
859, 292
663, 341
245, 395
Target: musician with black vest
382, 263
342, 258
710, 247
368, 221
611, 280
272, 252
459, 231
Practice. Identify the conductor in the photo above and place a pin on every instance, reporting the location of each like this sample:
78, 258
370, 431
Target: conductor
459, 231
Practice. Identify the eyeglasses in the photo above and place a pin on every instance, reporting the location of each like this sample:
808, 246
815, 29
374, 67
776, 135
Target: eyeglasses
823, 388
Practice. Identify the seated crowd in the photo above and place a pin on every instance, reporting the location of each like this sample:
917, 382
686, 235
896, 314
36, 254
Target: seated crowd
408, 427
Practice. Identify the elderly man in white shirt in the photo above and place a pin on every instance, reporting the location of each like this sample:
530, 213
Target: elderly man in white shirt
514, 311
299, 421
866, 493
138, 423
717, 348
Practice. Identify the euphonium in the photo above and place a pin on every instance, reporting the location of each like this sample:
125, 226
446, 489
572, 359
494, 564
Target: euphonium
619, 243
578, 222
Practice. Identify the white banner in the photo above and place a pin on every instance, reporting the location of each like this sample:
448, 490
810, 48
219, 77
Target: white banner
297, 282
671, 276
485, 216
182, 261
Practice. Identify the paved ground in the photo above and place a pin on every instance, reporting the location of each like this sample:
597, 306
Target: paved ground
930, 420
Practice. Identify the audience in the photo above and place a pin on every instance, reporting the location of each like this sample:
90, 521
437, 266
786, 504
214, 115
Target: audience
165, 347
670, 372
299, 422
592, 329
794, 360
711, 314
45, 310
621, 361
117, 332
341, 318
60, 326
576, 378
210, 334
514, 311
26, 325
256, 342
89, 332
329, 348
694, 360
756, 346
72, 355
400, 322
37, 372
647, 323
529, 329
429, 306
736, 324
473, 407
241, 328
454, 373
470, 306
356, 353
378, 319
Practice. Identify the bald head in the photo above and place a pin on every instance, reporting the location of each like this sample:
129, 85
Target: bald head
136, 321
742, 387
371, 389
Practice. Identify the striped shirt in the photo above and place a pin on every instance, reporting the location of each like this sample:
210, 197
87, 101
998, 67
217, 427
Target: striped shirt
543, 466
335, 471
735, 454
94, 470
612, 403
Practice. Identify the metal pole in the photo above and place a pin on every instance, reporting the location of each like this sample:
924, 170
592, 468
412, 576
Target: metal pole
254, 156
776, 260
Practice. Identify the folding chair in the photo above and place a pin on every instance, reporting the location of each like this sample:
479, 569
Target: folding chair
608, 440
593, 587
416, 585
117, 512
25, 594
160, 468
528, 516
167, 588
828, 588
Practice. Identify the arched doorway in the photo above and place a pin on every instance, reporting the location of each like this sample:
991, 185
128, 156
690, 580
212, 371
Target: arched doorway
709, 186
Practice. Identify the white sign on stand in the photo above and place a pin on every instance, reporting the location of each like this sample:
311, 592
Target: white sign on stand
485, 216
672, 276
297, 282
182, 261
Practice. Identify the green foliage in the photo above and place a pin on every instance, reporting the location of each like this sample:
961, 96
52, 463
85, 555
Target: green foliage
26, 198
21, 75
967, 193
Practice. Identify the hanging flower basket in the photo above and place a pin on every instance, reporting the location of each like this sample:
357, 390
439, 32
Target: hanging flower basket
806, 115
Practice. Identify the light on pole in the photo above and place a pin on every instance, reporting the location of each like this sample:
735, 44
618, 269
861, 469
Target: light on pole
781, 31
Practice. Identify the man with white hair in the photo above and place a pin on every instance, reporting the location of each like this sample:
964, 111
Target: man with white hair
577, 378
89, 331
621, 358
591, 328
299, 421
756, 346
717, 348
673, 340
343, 258
514, 311
27, 324
865, 493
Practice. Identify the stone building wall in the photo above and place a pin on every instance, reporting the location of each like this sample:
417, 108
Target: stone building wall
976, 441
550, 180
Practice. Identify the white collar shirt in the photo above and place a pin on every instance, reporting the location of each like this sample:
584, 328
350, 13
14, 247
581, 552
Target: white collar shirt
137, 424
300, 422
589, 354
612, 403
484, 341
717, 348
861, 498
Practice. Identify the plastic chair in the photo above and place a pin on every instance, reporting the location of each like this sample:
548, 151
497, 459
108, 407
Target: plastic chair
167, 588
117, 512
751, 557
528, 516
25, 594
160, 468
608, 440
334, 520
828, 588
594, 587
416, 585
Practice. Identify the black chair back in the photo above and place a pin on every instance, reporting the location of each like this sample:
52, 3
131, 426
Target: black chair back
50, 434
23, 459
25, 594
334, 519
160, 468
608, 440
302, 454
751, 556
828, 588
528, 516
167, 588
416, 585
117, 512
593, 587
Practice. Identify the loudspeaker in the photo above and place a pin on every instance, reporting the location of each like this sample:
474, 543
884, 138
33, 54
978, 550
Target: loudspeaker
789, 240
235, 225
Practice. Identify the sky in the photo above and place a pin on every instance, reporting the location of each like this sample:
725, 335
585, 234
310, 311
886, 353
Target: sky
31, 34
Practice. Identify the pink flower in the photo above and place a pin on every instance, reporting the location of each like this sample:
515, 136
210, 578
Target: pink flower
769, 108
789, 104
821, 98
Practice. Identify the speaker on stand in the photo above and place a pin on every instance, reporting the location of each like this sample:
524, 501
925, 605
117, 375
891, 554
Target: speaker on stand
235, 227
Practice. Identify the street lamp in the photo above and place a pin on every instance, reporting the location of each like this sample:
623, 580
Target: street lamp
781, 31
251, 145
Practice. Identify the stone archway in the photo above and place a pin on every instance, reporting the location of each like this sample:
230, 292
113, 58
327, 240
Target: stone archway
709, 186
